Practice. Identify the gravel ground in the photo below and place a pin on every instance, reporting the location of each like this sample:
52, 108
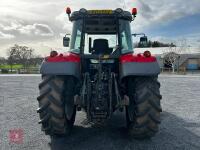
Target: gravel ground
180, 128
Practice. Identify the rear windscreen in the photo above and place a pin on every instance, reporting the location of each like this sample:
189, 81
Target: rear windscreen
101, 26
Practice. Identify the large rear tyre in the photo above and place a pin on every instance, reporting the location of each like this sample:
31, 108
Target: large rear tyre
52, 103
143, 112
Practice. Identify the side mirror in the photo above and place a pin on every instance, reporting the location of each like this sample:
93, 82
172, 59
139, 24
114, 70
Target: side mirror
66, 41
143, 41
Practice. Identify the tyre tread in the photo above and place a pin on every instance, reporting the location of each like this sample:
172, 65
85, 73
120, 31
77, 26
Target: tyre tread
147, 108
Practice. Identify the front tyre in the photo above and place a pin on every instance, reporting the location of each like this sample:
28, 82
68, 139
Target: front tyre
143, 112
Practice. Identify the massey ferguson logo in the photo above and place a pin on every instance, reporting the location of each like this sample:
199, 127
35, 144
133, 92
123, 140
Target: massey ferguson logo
16, 136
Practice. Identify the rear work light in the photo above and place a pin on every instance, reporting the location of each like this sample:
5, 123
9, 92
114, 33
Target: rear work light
68, 11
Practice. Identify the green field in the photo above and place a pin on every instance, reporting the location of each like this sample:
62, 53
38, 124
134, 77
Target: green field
16, 66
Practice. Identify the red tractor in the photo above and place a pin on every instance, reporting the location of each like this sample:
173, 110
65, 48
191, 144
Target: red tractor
99, 75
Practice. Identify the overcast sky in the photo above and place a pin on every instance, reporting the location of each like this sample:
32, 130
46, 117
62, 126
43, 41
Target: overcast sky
41, 24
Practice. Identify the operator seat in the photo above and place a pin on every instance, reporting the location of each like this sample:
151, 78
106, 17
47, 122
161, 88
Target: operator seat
100, 46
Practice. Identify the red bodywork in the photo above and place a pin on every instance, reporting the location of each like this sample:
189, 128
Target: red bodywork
136, 58
72, 57
68, 57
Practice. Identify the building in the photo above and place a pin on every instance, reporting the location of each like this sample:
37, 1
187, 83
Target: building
181, 62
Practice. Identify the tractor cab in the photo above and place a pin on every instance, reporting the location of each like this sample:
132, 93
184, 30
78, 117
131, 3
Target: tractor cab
100, 37
101, 32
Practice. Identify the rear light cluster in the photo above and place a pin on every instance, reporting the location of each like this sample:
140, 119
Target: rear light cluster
147, 54
145, 57
134, 11
68, 57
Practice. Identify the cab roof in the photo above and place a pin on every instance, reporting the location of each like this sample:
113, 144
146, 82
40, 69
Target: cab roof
89, 14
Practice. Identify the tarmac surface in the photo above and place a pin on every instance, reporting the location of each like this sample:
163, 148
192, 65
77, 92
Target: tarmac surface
179, 130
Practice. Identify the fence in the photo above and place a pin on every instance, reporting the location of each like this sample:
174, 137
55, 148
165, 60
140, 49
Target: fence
181, 70
31, 70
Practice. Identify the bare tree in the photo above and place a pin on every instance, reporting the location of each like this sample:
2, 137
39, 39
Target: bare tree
183, 46
25, 54
2, 60
171, 55
36, 60
13, 55
19, 54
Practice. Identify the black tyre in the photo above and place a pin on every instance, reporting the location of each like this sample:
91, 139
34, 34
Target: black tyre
52, 104
143, 113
